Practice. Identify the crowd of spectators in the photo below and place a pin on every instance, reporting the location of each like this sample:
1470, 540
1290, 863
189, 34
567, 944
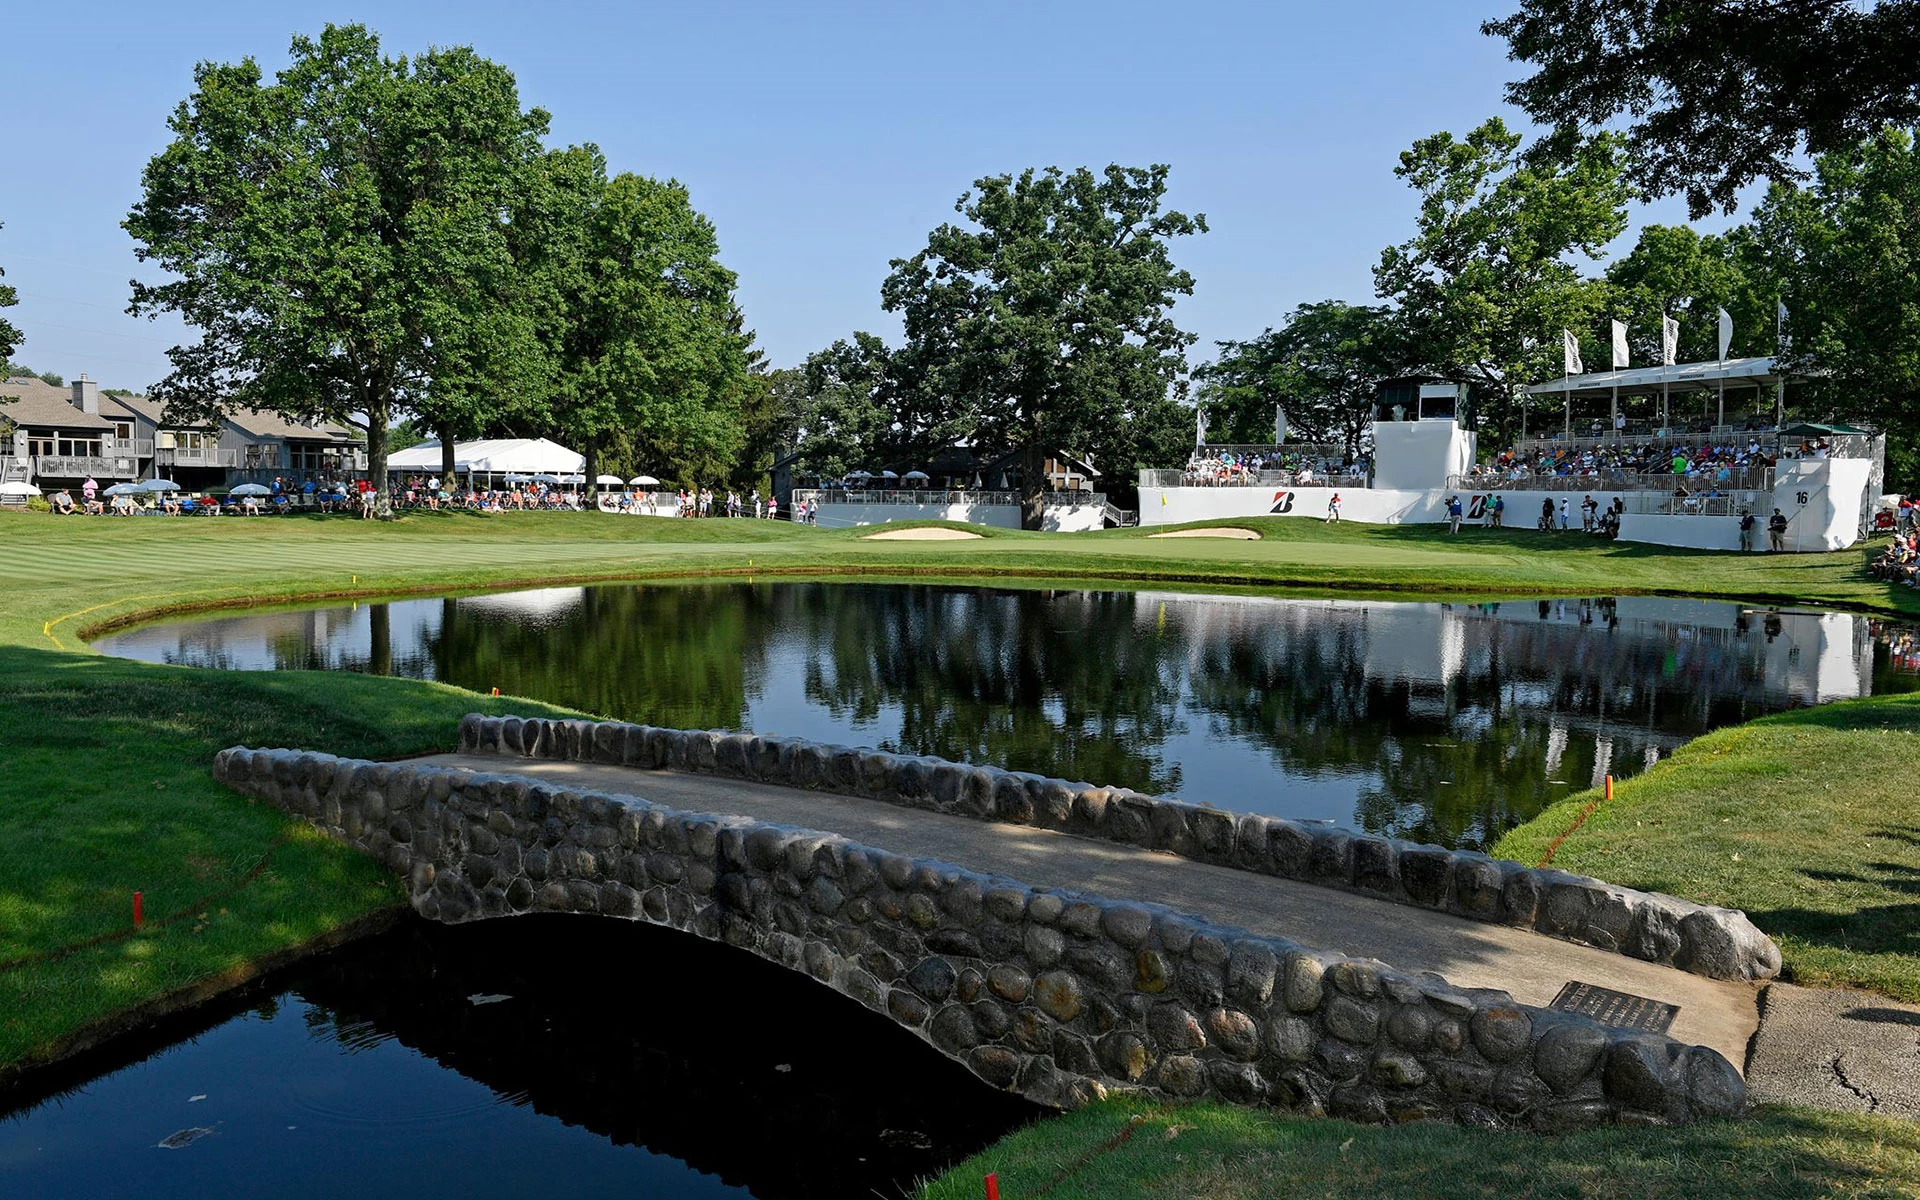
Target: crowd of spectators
1726, 466
1294, 468
1900, 561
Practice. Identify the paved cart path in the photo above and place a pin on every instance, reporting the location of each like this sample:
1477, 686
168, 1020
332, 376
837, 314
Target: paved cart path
1468, 953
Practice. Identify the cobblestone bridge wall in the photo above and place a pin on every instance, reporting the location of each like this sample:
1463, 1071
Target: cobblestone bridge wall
1054, 995
1716, 942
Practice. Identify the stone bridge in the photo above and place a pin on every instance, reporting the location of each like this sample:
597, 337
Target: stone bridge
1067, 956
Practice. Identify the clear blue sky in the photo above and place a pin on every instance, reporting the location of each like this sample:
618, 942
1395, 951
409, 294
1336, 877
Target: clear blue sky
823, 139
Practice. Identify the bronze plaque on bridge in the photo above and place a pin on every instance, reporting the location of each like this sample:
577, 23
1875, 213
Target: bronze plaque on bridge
1619, 1009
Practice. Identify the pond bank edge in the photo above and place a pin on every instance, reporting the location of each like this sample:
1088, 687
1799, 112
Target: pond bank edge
101, 1034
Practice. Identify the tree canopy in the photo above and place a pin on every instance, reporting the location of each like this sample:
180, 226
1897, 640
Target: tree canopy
1491, 275
848, 411
1844, 253
651, 355
340, 235
1675, 271
1320, 367
1045, 320
1718, 93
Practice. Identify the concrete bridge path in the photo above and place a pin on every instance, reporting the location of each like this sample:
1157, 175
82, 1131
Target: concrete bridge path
1468, 953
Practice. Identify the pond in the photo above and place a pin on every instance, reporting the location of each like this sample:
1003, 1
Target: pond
540, 1055
1444, 722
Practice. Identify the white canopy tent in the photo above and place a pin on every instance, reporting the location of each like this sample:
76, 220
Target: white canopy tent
493, 456
1684, 378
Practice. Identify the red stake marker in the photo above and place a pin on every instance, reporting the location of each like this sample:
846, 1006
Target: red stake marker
1609, 789
137, 917
993, 1187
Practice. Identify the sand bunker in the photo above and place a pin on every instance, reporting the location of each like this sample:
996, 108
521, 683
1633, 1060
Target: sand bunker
1219, 531
929, 533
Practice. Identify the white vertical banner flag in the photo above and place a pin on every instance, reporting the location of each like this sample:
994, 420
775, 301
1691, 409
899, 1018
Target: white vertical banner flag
1620, 346
1780, 327
1669, 341
1572, 348
1279, 425
1199, 426
1726, 333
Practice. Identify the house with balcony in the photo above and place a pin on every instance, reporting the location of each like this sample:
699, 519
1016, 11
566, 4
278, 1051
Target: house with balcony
58, 437
240, 446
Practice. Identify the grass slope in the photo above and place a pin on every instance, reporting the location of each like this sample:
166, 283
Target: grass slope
1133, 1147
1807, 820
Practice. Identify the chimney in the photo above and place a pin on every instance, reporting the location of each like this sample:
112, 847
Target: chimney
86, 395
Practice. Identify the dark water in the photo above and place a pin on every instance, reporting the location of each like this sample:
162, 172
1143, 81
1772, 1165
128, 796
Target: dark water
1444, 722
560, 1056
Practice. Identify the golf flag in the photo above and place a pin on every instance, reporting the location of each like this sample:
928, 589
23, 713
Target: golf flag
1726, 333
1780, 327
1669, 340
1619, 345
1572, 348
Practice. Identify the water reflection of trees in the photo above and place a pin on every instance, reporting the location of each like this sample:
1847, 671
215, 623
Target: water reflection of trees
688, 657
1445, 722
1050, 682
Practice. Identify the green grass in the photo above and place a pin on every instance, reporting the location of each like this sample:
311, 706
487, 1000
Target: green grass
1134, 1147
1808, 820
106, 790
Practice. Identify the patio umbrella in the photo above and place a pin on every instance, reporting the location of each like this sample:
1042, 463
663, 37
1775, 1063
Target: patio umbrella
544, 478
643, 481
123, 489
248, 489
922, 475
160, 485
573, 479
888, 475
516, 479
608, 480
859, 474
20, 489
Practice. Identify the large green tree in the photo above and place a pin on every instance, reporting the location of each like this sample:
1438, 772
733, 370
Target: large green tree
1676, 271
340, 236
1045, 320
652, 357
1718, 93
770, 422
1491, 276
1320, 367
1844, 252
848, 413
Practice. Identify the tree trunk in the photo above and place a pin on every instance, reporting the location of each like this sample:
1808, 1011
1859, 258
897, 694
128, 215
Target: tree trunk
446, 456
591, 467
1033, 484
377, 415
380, 639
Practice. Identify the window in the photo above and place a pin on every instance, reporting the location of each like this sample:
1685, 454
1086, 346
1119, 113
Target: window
76, 447
318, 456
123, 431
40, 445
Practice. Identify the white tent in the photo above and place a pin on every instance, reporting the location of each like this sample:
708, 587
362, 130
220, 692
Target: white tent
493, 456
